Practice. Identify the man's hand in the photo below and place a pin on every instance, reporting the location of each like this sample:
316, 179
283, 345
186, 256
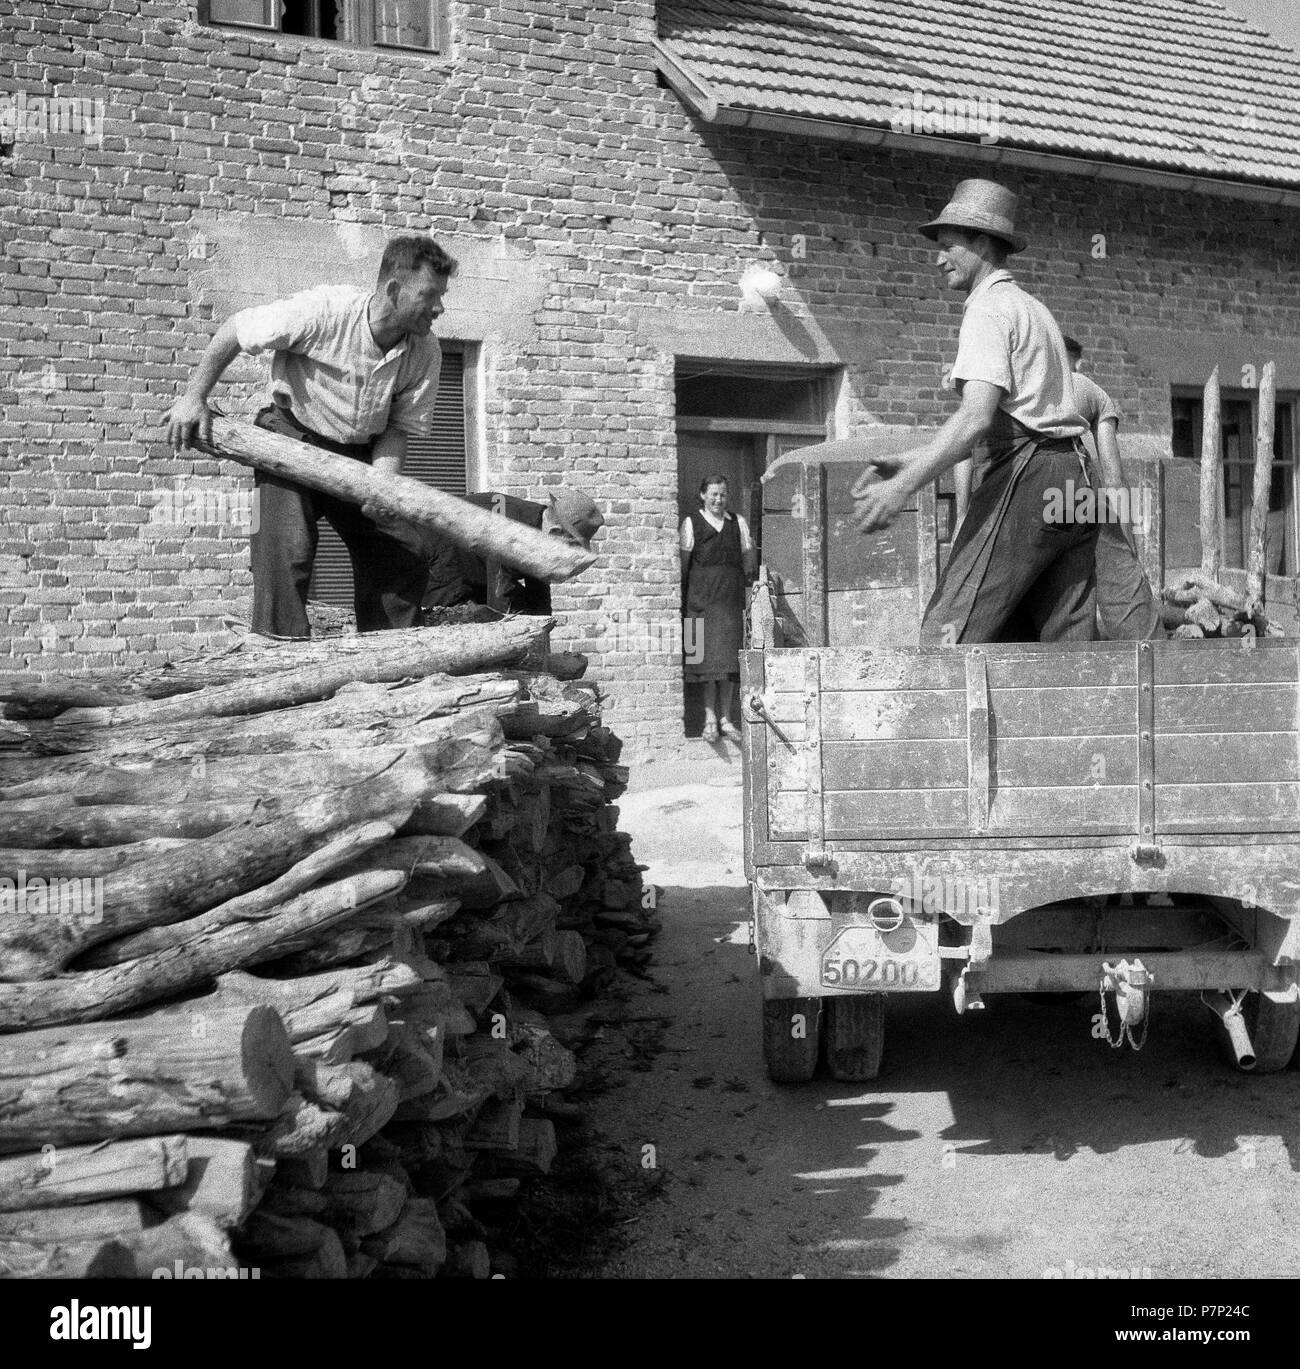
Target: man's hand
187, 419
879, 503
878, 469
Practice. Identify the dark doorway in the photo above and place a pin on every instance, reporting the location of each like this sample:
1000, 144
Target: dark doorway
734, 421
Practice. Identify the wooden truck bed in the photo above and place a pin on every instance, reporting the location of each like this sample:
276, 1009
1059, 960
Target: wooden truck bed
994, 818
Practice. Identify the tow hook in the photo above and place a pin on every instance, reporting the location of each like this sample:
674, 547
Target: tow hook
1129, 982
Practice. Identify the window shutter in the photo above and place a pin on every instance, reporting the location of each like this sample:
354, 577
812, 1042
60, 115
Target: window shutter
437, 460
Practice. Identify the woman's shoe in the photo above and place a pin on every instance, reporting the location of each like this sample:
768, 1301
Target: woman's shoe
726, 729
712, 732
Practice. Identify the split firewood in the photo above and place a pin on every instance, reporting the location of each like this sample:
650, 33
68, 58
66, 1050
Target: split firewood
143, 1077
474, 983
536, 1152
363, 1203
40, 940
225, 1181
97, 994
363, 1097
59, 1176
304, 1171
416, 1239
468, 1260
562, 955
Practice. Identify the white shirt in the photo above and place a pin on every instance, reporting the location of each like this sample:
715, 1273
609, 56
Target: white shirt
329, 370
688, 531
1010, 339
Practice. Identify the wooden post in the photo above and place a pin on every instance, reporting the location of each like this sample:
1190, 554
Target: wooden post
398, 500
1211, 469
1255, 562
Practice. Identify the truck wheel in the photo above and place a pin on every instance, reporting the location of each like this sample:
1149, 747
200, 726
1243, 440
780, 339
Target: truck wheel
791, 1033
1274, 1029
855, 1036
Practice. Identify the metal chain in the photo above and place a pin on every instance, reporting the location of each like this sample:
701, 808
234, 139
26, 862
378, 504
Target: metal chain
1125, 1032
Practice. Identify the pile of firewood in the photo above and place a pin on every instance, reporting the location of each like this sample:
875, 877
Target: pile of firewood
293, 950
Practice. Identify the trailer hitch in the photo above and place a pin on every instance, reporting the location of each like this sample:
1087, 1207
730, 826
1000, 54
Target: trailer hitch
1129, 982
756, 711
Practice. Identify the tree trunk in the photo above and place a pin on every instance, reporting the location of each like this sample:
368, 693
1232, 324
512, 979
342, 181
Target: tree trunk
36, 942
63, 863
101, 993
120, 824
342, 850
64, 1175
142, 1077
399, 499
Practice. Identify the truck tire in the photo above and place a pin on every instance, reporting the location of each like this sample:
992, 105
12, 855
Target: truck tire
854, 1033
1274, 1030
791, 1035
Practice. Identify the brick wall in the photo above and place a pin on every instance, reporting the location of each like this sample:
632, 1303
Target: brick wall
598, 222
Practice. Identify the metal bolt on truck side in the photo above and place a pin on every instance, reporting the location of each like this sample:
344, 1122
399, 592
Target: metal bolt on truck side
983, 819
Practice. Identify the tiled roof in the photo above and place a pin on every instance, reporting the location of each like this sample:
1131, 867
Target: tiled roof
1183, 86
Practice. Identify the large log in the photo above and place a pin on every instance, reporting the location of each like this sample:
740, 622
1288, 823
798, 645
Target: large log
223, 779
98, 994
342, 850
142, 1077
22, 824
415, 654
95, 1259
63, 1175
37, 942
399, 499
353, 708
61, 863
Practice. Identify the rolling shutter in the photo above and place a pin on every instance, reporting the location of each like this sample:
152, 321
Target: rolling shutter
437, 460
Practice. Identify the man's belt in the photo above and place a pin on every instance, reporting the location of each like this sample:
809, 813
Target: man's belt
354, 449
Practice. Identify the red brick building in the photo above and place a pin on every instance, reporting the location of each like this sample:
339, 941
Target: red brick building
607, 176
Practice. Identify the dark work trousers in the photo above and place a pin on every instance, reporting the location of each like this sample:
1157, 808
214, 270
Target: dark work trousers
388, 578
1012, 575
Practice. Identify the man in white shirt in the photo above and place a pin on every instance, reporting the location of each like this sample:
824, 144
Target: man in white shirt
1016, 396
1127, 610
354, 372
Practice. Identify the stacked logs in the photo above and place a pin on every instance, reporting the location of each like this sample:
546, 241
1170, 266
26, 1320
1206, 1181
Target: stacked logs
293, 952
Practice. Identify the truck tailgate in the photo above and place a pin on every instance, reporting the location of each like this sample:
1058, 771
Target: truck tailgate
1119, 739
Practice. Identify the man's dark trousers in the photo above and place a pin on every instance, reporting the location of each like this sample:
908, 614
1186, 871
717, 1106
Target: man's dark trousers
388, 578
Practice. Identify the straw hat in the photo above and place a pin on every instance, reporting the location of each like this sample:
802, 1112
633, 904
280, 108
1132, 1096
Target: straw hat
981, 207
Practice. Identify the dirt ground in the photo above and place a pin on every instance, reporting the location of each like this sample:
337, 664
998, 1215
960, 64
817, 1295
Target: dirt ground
1007, 1143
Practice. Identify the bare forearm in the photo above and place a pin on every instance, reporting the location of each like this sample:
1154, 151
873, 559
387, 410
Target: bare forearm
952, 444
1108, 462
389, 452
219, 353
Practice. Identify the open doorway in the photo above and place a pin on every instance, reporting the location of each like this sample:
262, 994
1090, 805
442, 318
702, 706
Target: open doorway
734, 420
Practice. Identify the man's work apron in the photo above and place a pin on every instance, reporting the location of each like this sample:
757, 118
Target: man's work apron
1010, 456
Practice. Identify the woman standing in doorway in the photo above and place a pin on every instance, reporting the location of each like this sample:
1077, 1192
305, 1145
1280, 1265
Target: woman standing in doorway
717, 561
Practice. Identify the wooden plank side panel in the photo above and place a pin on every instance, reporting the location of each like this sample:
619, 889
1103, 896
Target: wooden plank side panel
1224, 708
1103, 665
873, 814
1227, 808
1096, 810
1226, 758
1268, 661
941, 763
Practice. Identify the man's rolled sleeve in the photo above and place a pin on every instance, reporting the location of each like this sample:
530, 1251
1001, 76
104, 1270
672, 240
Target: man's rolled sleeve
412, 409
285, 325
984, 350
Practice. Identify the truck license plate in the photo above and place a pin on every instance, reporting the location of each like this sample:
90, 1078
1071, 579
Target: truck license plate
859, 957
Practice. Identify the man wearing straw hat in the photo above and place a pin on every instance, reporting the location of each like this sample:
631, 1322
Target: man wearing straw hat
1007, 559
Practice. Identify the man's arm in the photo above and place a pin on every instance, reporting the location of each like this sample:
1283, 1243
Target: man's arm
962, 474
389, 451
190, 416
879, 503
